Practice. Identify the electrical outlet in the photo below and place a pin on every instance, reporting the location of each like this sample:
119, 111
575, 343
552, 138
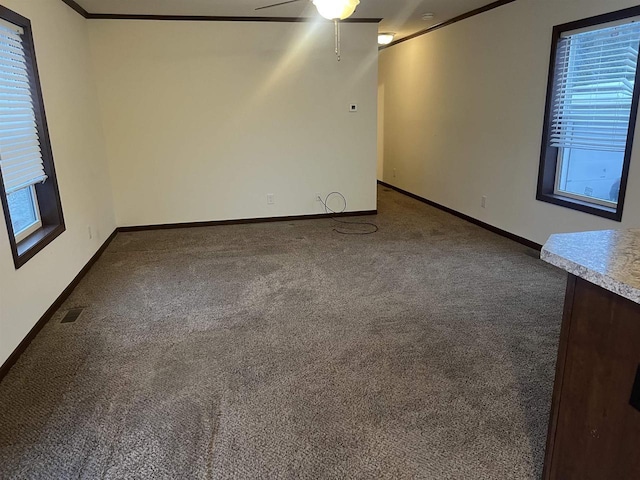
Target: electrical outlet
483, 201
353, 107
270, 199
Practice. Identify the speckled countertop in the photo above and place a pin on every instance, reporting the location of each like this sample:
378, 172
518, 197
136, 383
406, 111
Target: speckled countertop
607, 258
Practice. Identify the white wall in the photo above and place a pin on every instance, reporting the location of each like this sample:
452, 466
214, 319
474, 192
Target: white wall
463, 116
71, 107
204, 119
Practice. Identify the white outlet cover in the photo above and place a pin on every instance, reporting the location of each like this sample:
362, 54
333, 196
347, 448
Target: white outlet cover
353, 107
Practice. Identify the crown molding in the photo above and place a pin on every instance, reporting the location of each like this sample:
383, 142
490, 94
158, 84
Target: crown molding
208, 18
457, 19
202, 18
72, 4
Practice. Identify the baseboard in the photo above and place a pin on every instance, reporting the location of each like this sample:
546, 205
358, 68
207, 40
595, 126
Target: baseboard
217, 223
13, 358
475, 221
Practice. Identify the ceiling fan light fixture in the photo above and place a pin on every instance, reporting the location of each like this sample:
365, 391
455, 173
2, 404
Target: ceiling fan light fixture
385, 38
336, 9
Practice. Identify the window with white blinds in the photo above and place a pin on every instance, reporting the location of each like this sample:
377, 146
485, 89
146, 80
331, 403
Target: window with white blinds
591, 113
595, 76
21, 162
29, 195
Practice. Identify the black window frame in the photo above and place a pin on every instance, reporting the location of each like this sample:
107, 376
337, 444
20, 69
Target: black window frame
48, 195
549, 155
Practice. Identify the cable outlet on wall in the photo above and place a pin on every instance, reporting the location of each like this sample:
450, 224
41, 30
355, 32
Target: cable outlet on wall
270, 199
353, 107
483, 201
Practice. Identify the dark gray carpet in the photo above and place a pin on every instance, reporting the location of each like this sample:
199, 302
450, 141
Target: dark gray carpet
287, 351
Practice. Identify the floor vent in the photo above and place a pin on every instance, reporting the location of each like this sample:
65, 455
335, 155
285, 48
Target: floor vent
72, 315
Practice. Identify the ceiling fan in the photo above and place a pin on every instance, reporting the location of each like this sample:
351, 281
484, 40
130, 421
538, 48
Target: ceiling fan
335, 10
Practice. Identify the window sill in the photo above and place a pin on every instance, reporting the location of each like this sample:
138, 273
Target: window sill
27, 248
581, 206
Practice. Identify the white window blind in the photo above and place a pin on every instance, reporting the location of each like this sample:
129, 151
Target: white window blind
20, 156
594, 88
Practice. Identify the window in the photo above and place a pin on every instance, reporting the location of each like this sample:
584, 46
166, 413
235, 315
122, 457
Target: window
28, 187
592, 104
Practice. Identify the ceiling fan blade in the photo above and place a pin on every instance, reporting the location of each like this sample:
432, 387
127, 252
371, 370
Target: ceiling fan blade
278, 4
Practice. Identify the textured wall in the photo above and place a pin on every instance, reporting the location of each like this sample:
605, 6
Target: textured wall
71, 106
203, 119
463, 114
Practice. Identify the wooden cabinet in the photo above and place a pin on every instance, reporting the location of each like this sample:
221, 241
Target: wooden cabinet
594, 431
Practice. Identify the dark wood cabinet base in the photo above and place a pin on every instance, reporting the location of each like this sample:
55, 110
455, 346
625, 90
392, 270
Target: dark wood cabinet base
594, 429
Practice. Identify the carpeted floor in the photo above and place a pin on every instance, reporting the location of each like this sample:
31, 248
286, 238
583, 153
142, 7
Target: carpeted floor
287, 351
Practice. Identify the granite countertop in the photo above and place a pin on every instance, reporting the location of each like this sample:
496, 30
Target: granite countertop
607, 258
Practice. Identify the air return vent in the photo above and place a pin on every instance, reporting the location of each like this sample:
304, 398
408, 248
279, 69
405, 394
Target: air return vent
72, 315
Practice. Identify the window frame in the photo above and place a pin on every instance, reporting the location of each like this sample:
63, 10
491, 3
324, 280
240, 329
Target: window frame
47, 193
549, 156
558, 191
37, 225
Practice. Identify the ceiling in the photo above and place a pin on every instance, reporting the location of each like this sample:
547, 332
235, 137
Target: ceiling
403, 17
